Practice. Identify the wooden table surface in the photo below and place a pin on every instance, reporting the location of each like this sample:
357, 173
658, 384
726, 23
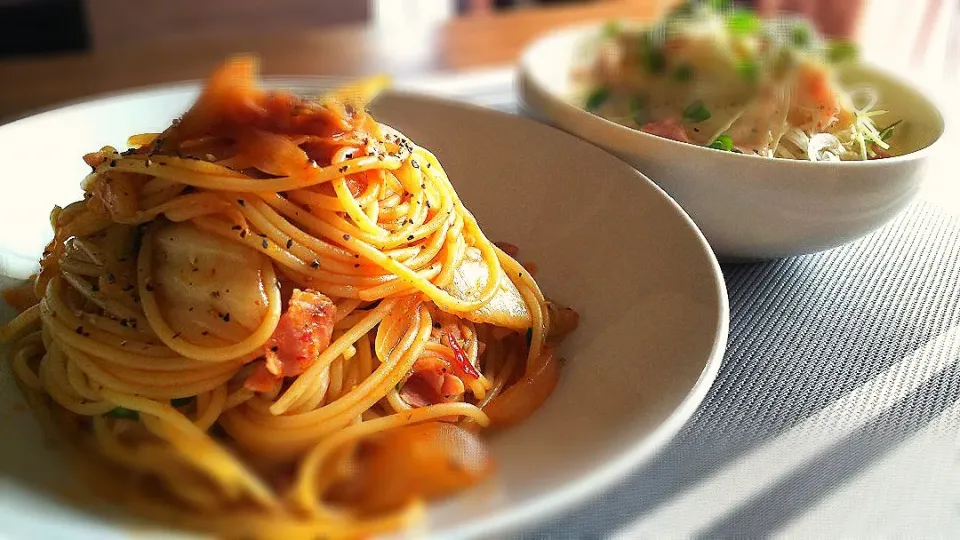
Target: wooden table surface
27, 85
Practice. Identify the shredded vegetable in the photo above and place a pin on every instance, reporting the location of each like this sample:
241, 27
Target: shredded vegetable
719, 76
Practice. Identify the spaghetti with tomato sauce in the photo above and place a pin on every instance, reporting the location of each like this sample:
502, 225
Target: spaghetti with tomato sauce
277, 319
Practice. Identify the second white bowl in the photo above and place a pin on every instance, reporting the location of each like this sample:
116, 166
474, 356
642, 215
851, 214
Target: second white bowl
749, 207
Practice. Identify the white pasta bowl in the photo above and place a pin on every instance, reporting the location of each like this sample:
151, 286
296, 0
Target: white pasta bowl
749, 207
649, 290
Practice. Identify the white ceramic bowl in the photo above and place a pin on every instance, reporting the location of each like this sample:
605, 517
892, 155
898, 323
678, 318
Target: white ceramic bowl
652, 299
749, 207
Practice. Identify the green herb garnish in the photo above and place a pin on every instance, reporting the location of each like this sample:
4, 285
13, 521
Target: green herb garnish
121, 412
782, 62
719, 5
181, 402
841, 51
529, 336
611, 29
887, 132
653, 59
800, 36
683, 73
696, 112
723, 142
743, 22
597, 97
747, 68
638, 110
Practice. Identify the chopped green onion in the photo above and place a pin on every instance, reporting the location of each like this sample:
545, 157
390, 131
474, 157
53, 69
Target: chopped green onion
638, 110
121, 412
683, 73
719, 5
887, 132
529, 336
611, 29
782, 62
748, 70
181, 402
652, 58
801, 35
696, 112
841, 51
597, 97
742, 22
723, 142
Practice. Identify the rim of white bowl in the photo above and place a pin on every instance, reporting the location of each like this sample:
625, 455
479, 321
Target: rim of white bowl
527, 69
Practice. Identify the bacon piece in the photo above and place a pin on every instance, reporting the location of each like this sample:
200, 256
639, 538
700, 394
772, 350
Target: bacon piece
668, 129
431, 383
304, 331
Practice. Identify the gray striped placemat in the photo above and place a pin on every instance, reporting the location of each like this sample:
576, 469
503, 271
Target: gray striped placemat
835, 413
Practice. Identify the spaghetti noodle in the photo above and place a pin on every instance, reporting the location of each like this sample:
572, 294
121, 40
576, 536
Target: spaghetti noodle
278, 319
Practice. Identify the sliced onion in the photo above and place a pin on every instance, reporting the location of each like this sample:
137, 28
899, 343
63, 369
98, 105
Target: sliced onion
869, 93
421, 461
522, 399
824, 147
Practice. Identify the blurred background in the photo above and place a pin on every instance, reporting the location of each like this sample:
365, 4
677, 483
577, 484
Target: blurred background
60, 50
